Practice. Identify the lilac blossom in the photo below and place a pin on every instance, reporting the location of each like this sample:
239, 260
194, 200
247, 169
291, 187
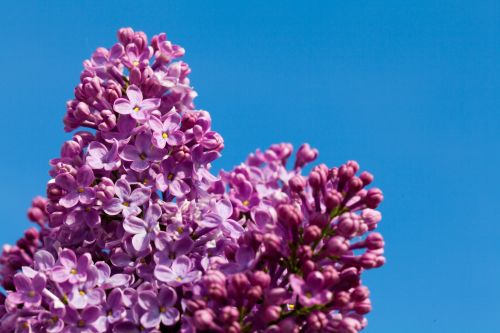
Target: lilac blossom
69, 268
142, 153
137, 107
159, 308
143, 230
172, 178
28, 291
180, 272
128, 202
100, 157
79, 189
167, 130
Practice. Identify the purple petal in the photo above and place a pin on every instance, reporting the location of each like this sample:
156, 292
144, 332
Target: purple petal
97, 149
155, 124
170, 316
67, 258
179, 188
153, 214
167, 297
85, 176
134, 225
147, 300
134, 95
140, 196
115, 298
59, 274
182, 265
122, 106
164, 273
69, 200
224, 208
39, 283
151, 104
113, 206
90, 314
150, 319
122, 189
143, 142
22, 283
139, 165
66, 181
87, 196
130, 153
175, 138
140, 241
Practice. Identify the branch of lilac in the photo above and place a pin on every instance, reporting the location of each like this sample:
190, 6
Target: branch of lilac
136, 234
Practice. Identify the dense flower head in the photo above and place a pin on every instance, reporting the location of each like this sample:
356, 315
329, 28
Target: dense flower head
136, 233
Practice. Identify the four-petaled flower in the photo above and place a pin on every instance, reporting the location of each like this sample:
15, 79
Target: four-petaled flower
159, 308
167, 130
181, 272
137, 107
128, 201
79, 189
144, 231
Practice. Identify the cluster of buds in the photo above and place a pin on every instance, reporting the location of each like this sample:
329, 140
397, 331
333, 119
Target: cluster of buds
136, 233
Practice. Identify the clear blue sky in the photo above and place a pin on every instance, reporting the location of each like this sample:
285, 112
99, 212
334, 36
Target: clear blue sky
411, 89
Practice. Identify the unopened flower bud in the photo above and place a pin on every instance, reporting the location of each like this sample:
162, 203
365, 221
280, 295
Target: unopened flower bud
311, 234
305, 155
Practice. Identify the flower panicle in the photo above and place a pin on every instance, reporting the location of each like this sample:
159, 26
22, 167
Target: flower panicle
136, 234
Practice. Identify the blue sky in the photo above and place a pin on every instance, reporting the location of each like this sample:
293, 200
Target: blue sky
410, 89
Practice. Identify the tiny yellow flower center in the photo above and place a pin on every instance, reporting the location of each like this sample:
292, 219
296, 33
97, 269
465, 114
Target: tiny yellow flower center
180, 230
110, 313
246, 203
135, 63
308, 295
291, 306
162, 309
145, 182
87, 209
73, 271
170, 176
81, 190
31, 293
26, 325
178, 279
126, 204
81, 323
142, 157
82, 292
136, 109
164, 135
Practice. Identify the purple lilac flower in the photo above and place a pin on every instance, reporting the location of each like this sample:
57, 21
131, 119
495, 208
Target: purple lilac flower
79, 189
167, 130
137, 107
70, 269
172, 178
100, 157
221, 218
159, 308
142, 153
143, 231
28, 291
84, 322
128, 202
179, 273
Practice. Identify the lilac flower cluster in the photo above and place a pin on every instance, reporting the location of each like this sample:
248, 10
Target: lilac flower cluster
137, 235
